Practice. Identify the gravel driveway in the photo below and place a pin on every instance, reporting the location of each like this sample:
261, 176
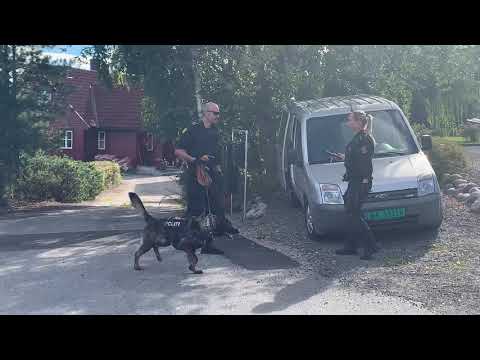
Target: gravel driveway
439, 272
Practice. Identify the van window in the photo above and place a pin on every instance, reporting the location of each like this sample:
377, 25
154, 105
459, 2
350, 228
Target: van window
330, 133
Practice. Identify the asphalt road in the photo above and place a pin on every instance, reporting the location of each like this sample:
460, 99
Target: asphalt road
79, 260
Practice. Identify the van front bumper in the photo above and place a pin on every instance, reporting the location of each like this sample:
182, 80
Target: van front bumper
420, 212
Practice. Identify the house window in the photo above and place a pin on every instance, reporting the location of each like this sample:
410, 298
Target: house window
101, 140
149, 142
68, 139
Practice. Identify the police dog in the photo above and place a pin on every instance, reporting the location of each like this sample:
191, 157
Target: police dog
183, 234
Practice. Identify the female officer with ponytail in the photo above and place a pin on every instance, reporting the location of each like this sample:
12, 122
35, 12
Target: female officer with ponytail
358, 163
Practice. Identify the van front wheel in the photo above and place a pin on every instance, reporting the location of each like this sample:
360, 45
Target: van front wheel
309, 225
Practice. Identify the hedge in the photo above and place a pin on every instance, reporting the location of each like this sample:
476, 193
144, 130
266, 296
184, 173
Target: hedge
446, 157
111, 173
45, 177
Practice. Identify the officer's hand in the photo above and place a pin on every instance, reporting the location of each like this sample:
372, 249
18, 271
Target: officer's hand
205, 158
340, 156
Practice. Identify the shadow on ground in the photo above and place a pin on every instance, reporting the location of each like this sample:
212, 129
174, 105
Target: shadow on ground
61, 240
398, 247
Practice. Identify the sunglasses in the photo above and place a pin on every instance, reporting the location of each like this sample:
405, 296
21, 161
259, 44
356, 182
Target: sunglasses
216, 113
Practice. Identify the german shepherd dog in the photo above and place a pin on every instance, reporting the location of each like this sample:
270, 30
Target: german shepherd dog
182, 233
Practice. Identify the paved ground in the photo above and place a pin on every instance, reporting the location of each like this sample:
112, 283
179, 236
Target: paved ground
78, 260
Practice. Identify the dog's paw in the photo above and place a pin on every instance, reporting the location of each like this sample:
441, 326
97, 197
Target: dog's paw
198, 272
138, 268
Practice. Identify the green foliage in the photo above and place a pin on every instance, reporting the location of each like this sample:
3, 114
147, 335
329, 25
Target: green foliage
111, 174
31, 94
437, 86
44, 177
472, 134
446, 157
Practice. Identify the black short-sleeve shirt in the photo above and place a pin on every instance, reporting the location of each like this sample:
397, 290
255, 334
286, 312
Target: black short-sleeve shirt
199, 140
358, 157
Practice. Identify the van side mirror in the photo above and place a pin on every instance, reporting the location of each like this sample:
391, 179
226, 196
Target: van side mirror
426, 142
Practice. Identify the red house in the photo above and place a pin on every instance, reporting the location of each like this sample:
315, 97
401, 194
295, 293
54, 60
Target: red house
103, 121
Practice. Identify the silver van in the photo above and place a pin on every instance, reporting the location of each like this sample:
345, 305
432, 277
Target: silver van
405, 191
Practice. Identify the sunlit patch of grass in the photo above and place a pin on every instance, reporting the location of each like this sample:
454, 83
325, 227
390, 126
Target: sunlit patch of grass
393, 261
440, 248
458, 265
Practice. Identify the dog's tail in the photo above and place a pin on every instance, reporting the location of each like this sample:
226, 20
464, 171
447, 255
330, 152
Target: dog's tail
137, 204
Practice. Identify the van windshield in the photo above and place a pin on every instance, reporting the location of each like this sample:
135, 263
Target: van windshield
330, 134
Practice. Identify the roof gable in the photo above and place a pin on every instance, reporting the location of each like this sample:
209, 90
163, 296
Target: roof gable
92, 104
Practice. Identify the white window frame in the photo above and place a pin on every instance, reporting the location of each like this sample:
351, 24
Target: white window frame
99, 140
149, 142
65, 139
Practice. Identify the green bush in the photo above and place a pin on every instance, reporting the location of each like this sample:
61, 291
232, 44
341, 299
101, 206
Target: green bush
111, 175
420, 129
44, 177
446, 157
472, 134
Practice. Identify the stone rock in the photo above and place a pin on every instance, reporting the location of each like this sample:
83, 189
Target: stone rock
461, 186
470, 200
454, 177
462, 197
448, 186
457, 182
469, 186
474, 189
475, 207
257, 211
475, 194
450, 191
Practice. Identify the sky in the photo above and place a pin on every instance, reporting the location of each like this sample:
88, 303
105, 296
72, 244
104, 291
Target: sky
71, 54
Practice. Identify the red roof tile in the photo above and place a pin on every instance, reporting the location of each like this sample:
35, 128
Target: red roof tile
116, 108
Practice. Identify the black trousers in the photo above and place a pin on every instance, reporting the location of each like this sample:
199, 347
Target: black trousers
197, 201
359, 233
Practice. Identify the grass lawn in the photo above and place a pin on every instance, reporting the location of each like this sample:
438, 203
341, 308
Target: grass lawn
460, 140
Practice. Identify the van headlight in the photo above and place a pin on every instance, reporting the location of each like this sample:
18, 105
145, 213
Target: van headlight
426, 185
331, 194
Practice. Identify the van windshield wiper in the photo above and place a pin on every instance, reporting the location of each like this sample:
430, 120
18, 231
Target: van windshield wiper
390, 153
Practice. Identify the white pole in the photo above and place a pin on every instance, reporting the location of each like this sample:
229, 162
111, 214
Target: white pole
245, 184
231, 190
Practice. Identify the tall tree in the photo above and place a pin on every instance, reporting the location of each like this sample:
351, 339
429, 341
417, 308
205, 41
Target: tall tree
31, 93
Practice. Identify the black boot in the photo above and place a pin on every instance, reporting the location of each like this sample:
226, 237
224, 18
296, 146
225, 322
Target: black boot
225, 226
210, 249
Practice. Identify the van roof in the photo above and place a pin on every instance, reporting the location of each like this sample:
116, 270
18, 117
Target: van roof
358, 102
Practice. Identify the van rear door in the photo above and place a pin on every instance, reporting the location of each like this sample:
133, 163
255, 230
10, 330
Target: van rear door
281, 154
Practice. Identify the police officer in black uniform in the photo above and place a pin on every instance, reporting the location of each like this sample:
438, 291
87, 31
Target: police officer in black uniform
200, 144
358, 163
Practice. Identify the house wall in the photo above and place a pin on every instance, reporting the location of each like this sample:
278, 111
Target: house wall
78, 148
121, 144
